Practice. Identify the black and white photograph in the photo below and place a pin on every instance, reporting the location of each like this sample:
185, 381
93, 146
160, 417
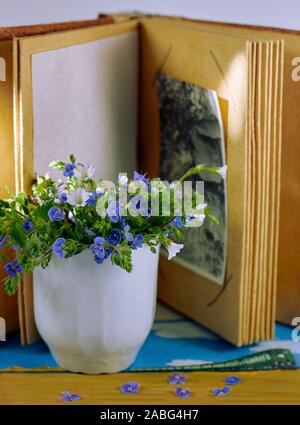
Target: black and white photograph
191, 132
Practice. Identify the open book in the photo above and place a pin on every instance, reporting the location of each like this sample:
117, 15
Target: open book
159, 94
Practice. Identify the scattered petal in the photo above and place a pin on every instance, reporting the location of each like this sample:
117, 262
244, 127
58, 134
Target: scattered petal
176, 378
67, 396
75, 397
130, 387
221, 391
182, 392
232, 380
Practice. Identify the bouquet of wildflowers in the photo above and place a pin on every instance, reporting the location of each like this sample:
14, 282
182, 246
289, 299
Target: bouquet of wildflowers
64, 217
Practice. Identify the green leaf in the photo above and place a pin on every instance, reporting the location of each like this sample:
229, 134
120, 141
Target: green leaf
122, 257
57, 165
42, 211
73, 159
11, 285
3, 256
3, 204
18, 234
213, 218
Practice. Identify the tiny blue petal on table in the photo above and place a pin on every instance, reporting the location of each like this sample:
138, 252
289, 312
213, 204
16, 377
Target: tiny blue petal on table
232, 380
182, 392
67, 396
176, 378
217, 392
130, 388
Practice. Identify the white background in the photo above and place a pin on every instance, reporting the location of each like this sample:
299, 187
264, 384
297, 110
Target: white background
279, 13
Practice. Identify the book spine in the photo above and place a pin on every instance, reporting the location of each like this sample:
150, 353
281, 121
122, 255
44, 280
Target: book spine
8, 304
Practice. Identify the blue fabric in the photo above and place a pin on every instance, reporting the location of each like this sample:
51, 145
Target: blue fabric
173, 341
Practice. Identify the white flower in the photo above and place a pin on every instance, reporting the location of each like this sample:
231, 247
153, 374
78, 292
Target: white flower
222, 171
123, 179
173, 249
84, 173
195, 220
201, 207
71, 217
78, 197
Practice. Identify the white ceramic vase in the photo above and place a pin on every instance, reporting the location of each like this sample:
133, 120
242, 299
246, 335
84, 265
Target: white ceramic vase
95, 318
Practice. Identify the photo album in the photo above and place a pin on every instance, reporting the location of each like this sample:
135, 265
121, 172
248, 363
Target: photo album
160, 95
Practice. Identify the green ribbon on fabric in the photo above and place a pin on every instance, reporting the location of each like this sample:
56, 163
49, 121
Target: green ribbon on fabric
265, 360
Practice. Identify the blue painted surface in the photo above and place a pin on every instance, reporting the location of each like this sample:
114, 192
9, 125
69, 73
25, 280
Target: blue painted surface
171, 342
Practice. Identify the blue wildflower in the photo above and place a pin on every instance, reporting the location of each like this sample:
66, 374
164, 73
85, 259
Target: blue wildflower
89, 232
130, 387
232, 380
98, 247
115, 237
140, 178
63, 197
27, 225
55, 214
190, 218
145, 212
13, 268
99, 260
69, 397
57, 247
122, 221
221, 391
137, 241
113, 211
176, 378
177, 222
2, 241
108, 252
69, 170
93, 198
127, 234
182, 392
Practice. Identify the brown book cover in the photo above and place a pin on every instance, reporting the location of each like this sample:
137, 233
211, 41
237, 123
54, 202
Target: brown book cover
246, 73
